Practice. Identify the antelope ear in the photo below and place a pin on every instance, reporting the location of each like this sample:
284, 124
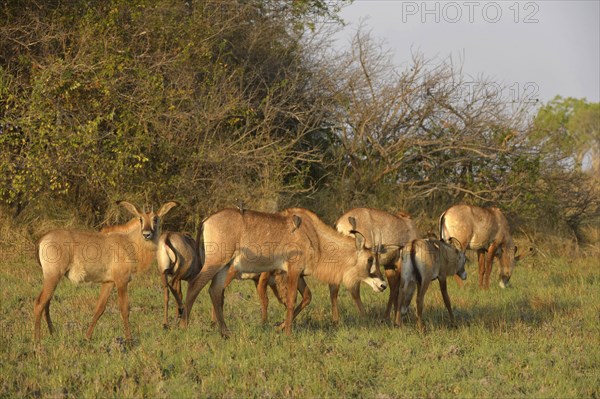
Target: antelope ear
130, 207
524, 255
166, 208
359, 240
297, 221
352, 222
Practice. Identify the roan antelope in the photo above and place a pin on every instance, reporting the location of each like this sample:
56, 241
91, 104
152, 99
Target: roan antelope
394, 230
106, 258
486, 231
425, 260
295, 241
178, 256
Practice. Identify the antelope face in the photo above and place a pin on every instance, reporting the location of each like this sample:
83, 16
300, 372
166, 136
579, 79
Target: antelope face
370, 257
149, 221
461, 272
507, 264
374, 277
149, 224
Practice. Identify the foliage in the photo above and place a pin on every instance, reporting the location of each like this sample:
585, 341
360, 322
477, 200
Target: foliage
150, 100
566, 133
211, 103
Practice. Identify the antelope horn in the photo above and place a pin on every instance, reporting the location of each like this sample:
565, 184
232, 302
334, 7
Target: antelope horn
373, 243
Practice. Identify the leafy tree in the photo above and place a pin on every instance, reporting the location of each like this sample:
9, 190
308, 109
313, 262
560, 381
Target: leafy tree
566, 133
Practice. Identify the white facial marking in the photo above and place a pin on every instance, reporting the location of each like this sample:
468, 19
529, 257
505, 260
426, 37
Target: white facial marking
377, 284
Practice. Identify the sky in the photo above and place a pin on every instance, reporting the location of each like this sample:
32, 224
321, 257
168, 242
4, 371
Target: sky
537, 49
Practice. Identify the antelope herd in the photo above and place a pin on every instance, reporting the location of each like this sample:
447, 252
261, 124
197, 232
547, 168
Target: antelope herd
277, 250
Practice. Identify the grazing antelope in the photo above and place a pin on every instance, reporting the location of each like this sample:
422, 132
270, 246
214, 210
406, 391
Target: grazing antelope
394, 230
106, 258
425, 260
486, 231
295, 241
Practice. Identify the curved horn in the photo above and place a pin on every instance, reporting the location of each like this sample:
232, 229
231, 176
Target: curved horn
373, 243
456, 243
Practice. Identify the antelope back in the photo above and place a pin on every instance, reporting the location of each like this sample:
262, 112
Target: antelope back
475, 227
381, 227
257, 241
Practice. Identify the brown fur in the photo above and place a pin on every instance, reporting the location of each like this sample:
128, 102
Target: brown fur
397, 230
176, 256
486, 231
425, 260
106, 258
295, 241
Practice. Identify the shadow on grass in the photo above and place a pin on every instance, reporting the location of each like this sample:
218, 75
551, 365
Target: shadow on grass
532, 311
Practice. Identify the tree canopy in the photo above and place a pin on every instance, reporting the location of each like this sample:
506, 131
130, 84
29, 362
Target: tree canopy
213, 102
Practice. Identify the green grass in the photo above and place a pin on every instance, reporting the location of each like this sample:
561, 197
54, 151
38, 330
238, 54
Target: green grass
539, 338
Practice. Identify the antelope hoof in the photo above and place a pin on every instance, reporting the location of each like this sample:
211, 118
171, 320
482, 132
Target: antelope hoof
279, 326
225, 334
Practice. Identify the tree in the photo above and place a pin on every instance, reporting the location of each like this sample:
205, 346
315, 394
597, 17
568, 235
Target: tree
566, 133
208, 102
424, 137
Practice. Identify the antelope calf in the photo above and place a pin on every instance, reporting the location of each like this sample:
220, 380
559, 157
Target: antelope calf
423, 261
110, 259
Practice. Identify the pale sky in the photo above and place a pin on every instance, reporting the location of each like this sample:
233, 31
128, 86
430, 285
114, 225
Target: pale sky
551, 46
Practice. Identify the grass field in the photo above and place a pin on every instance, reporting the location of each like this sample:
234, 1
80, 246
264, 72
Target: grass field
539, 338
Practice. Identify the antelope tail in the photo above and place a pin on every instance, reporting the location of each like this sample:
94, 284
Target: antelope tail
441, 224
200, 244
413, 259
37, 253
171, 250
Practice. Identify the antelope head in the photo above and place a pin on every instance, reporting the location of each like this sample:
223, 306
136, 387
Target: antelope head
507, 262
149, 221
462, 258
374, 277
